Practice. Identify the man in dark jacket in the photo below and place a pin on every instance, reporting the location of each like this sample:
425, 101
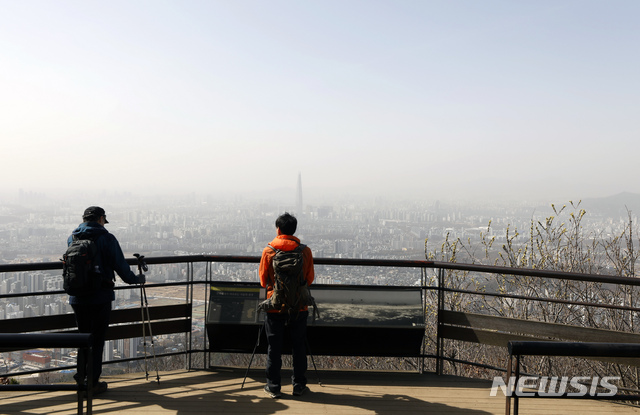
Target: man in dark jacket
92, 310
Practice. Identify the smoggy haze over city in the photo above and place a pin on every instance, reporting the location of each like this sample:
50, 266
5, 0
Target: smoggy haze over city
478, 99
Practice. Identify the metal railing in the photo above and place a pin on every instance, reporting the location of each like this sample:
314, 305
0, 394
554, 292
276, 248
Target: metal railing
438, 288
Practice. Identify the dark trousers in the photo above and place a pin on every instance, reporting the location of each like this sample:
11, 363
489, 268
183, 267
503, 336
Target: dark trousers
94, 319
276, 326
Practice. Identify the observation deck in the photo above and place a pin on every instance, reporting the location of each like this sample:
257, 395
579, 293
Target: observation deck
448, 371
354, 392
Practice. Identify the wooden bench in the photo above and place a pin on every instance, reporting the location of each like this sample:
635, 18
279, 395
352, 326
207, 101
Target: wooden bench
123, 324
499, 331
20, 341
573, 349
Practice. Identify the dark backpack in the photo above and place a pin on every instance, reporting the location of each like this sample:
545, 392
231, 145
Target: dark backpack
290, 289
80, 268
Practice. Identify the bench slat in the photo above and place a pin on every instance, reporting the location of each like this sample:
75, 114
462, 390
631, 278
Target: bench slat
590, 349
127, 331
539, 329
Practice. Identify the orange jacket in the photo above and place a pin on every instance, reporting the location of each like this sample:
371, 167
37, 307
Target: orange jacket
283, 243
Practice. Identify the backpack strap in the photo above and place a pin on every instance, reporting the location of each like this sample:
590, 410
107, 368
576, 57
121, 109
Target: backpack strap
276, 251
300, 248
90, 238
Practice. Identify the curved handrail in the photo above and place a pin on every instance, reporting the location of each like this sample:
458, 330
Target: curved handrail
396, 263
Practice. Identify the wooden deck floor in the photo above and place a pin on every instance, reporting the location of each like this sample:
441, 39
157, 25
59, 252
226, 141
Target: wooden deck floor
218, 392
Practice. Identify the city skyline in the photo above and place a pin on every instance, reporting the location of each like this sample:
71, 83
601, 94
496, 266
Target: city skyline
37, 229
291, 198
479, 101
34, 232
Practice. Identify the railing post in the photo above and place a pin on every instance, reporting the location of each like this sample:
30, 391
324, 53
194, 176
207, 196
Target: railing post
515, 391
439, 340
90, 384
509, 391
206, 360
189, 336
423, 279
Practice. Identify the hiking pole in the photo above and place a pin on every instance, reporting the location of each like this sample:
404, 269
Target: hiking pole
315, 368
313, 313
142, 266
153, 345
253, 354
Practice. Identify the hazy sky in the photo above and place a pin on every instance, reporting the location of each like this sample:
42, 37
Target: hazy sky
441, 98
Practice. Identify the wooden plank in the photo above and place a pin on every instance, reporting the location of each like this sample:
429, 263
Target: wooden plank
68, 321
536, 328
494, 338
130, 315
124, 323
600, 349
127, 331
481, 336
342, 393
41, 323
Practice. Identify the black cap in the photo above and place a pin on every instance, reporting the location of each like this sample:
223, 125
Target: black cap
93, 213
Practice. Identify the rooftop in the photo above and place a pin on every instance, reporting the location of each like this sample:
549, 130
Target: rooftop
219, 391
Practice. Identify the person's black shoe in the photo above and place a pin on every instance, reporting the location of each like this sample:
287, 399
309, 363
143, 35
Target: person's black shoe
272, 394
300, 390
99, 388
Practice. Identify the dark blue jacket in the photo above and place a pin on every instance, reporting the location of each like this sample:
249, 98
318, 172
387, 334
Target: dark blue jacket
110, 260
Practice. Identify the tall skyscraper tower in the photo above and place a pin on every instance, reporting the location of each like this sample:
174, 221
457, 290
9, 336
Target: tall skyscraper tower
299, 196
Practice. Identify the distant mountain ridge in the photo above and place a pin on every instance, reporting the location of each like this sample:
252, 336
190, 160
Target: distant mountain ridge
613, 206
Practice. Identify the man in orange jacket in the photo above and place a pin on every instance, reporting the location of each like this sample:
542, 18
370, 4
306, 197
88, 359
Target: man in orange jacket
276, 321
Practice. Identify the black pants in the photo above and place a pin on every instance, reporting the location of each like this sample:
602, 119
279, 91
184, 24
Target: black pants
94, 319
275, 328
